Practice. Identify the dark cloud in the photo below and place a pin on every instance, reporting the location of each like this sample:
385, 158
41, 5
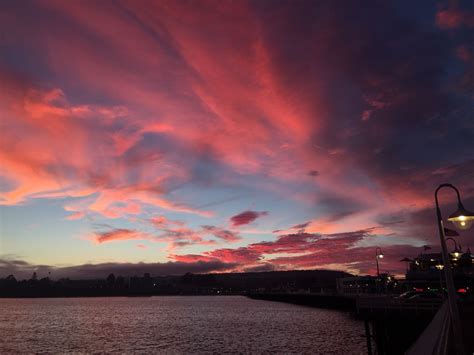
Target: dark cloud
261, 268
246, 217
301, 226
21, 269
223, 234
421, 222
335, 207
383, 60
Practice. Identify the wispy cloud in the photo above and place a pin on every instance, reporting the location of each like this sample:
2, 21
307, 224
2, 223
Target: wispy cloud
328, 114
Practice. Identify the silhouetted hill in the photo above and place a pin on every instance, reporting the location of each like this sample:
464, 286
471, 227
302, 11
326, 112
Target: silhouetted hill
295, 279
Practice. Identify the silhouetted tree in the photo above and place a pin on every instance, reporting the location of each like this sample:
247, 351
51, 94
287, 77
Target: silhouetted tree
45, 281
9, 283
11, 280
187, 278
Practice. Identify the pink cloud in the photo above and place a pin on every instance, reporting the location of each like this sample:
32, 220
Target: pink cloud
453, 18
120, 120
298, 244
222, 234
175, 237
174, 233
190, 258
307, 251
275, 145
97, 147
161, 222
246, 217
239, 255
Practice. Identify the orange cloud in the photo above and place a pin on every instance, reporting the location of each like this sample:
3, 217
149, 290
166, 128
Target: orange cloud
120, 234
80, 155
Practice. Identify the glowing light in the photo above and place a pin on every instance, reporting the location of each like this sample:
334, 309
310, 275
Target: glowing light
462, 218
465, 224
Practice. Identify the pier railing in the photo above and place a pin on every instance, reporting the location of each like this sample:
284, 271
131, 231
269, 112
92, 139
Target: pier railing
377, 304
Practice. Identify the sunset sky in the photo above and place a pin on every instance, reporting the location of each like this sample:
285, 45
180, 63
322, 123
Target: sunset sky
215, 136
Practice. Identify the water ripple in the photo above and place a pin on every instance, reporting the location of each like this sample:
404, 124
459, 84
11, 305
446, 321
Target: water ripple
174, 325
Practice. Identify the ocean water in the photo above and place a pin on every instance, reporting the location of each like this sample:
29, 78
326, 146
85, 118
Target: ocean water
190, 325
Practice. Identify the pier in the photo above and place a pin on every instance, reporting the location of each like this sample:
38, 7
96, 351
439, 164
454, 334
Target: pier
392, 325
395, 326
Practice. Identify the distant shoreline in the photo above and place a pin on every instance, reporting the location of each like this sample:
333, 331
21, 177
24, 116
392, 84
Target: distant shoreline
297, 281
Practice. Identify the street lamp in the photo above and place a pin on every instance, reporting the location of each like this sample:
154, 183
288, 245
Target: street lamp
457, 248
462, 219
378, 255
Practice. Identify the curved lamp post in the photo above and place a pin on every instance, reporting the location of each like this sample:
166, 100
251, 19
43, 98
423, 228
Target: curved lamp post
462, 219
378, 255
457, 248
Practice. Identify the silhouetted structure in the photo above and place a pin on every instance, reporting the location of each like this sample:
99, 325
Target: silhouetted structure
308, 281
426, 271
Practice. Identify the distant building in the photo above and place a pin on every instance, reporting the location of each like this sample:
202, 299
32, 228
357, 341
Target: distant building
358, 285
355, 285
426, 270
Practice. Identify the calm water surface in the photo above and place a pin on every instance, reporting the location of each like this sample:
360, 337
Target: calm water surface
226, 324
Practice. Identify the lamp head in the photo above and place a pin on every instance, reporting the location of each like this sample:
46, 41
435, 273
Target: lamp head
462, 218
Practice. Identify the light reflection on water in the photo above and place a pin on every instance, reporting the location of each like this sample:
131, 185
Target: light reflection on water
201, 324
